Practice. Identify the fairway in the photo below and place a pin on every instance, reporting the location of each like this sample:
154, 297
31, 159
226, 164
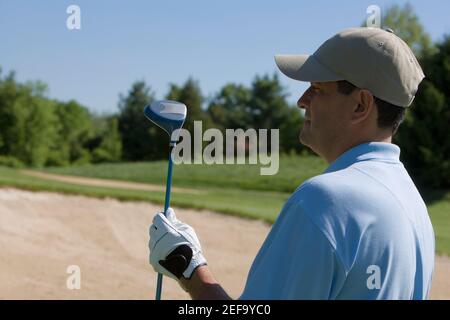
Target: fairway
293, 170
264, 205
229, 189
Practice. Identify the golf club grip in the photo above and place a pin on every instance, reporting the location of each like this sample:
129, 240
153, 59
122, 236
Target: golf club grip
166, 207
159, 287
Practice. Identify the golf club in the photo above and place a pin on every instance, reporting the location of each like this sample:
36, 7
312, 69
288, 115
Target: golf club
168, 115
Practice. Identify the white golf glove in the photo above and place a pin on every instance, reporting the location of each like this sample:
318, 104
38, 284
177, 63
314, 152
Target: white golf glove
175, 250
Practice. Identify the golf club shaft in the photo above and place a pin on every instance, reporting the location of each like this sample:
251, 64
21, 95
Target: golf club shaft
166, 206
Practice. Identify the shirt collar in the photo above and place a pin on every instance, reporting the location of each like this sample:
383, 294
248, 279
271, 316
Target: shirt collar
375, 151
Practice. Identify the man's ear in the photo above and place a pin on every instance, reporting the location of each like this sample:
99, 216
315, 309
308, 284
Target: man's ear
364, 107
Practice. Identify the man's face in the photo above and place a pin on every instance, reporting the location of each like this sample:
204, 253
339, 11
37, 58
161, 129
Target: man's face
327, 116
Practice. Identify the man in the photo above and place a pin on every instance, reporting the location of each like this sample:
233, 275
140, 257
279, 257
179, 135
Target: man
360, 230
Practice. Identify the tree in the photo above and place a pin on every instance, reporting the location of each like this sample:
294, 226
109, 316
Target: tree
141, 140
38, 131
268, 106
228, 109
33, 132
9, 92
75, 129
26, 121
270, 109
107, 145
262, 106
424, 135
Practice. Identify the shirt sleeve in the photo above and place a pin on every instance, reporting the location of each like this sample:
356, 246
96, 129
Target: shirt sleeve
296, 262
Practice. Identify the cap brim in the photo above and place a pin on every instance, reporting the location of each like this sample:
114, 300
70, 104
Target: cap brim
305, 68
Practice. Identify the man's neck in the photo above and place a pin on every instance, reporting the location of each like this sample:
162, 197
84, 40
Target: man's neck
339, 150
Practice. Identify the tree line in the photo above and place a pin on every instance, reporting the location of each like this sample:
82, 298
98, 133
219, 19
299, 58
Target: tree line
38, 131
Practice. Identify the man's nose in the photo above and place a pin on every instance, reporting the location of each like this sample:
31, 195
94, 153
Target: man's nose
305, 99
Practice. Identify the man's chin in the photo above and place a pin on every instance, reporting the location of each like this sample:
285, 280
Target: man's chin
307, 143
304, 139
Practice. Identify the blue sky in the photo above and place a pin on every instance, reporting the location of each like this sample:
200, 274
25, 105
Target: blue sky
215, 42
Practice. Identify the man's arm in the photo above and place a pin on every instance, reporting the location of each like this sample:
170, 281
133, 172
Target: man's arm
203, 286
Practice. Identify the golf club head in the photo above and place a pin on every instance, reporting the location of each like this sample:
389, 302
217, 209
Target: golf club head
168, 115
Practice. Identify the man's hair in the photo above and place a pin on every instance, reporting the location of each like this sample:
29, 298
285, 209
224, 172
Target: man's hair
389, 115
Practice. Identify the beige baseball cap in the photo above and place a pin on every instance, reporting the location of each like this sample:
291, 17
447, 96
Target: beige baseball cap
369, 58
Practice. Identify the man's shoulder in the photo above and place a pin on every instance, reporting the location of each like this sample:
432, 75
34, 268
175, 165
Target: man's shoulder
328, 186
322, 197
334, 200
354, 184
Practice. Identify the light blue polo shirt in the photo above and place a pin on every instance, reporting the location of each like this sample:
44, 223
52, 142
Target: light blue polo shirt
360, 230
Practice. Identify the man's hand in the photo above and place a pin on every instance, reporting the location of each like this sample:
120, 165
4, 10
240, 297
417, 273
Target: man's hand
175, 250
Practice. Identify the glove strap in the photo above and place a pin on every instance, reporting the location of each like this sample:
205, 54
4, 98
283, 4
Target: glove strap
178, 260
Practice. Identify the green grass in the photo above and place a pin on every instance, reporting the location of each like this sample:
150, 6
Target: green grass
245, 203
236, 190
292, 172
439, 211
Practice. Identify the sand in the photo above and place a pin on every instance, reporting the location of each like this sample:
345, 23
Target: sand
44, 233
